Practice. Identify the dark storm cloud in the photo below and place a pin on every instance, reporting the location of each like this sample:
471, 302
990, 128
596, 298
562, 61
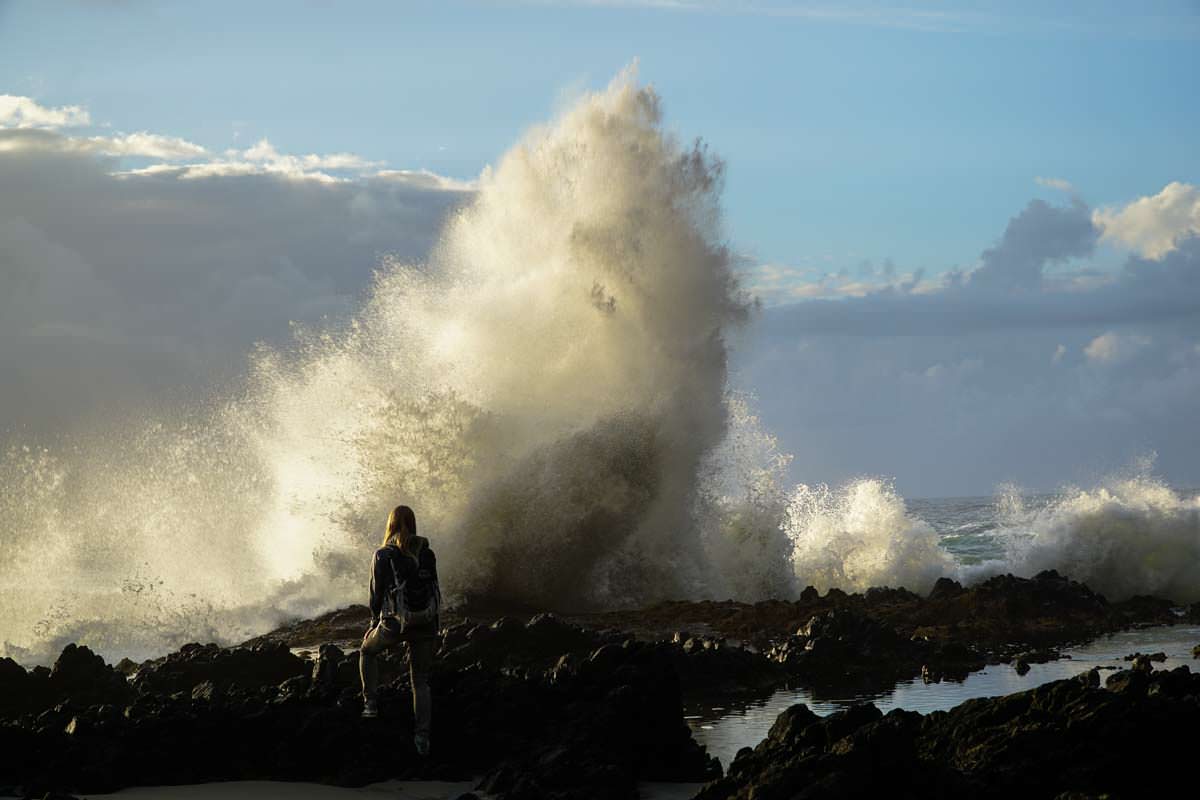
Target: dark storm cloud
1040, 235
115, 288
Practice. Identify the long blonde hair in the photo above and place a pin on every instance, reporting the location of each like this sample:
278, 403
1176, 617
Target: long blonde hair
401, 528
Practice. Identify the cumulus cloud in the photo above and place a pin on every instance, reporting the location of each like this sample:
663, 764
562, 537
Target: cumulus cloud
36, 122
145, 145
426, 179
23, 112
1013, 287
1154, 225
121, 286
1040, 235
264, 153
1034, 366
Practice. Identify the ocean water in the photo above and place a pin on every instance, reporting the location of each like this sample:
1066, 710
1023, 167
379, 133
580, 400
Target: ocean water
967, 526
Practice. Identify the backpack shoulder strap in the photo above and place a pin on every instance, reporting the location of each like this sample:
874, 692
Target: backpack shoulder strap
397, 585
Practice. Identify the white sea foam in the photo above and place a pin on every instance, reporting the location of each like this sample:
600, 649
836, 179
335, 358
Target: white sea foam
1125, 536
860, 536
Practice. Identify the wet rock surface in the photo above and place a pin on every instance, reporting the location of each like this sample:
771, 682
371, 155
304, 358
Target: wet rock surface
1002, 616
586, 705
1067, 738
535, 725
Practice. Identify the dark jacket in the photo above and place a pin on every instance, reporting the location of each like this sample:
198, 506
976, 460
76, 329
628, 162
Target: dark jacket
400, 581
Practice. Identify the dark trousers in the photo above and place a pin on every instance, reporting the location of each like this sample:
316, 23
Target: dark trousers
420, 662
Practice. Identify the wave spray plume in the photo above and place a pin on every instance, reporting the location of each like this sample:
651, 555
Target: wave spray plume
548, 391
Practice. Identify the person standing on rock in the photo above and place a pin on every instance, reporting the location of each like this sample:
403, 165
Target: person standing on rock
405, 599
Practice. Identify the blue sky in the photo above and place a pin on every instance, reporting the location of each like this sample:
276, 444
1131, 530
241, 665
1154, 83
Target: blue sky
851, 132
975, 226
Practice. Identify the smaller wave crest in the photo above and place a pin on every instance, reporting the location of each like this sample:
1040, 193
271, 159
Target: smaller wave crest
1124, 537
862, 535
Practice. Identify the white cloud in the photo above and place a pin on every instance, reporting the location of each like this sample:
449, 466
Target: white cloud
117, 286
426, 179
1114, 347
265, 154
1059, 353
262, 158
776, 284
1054, 183
146, 145
133, 145
23, 112
1154, 225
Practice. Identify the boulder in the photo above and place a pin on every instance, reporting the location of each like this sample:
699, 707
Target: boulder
84, 678
15, 684
325, 671
266, 663
944, 589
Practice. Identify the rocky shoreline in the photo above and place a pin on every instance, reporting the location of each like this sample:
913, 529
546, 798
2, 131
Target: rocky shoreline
587, 705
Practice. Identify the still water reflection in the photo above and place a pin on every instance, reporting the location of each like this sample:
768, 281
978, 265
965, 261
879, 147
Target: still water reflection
726, 728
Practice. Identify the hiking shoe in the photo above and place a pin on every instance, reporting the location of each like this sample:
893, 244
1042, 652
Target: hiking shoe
421, 742
370, 709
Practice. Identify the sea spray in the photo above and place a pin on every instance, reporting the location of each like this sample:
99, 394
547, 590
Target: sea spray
738, 512
548, 391
860, 536
545, 390
1127, 535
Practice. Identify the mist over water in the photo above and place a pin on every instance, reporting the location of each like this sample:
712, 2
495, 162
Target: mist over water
550, 393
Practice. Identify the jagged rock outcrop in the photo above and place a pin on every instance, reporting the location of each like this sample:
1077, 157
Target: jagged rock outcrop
260, 664
1064, 738
610, 718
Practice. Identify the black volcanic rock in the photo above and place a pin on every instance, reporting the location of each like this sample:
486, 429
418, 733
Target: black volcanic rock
328, 667
511, 644
264, 663
20, 692
945, 588
1002, 616
623, 721
711, 667
82, 676
79, 676
206, 713
847, 646
578, 707
1063, 738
